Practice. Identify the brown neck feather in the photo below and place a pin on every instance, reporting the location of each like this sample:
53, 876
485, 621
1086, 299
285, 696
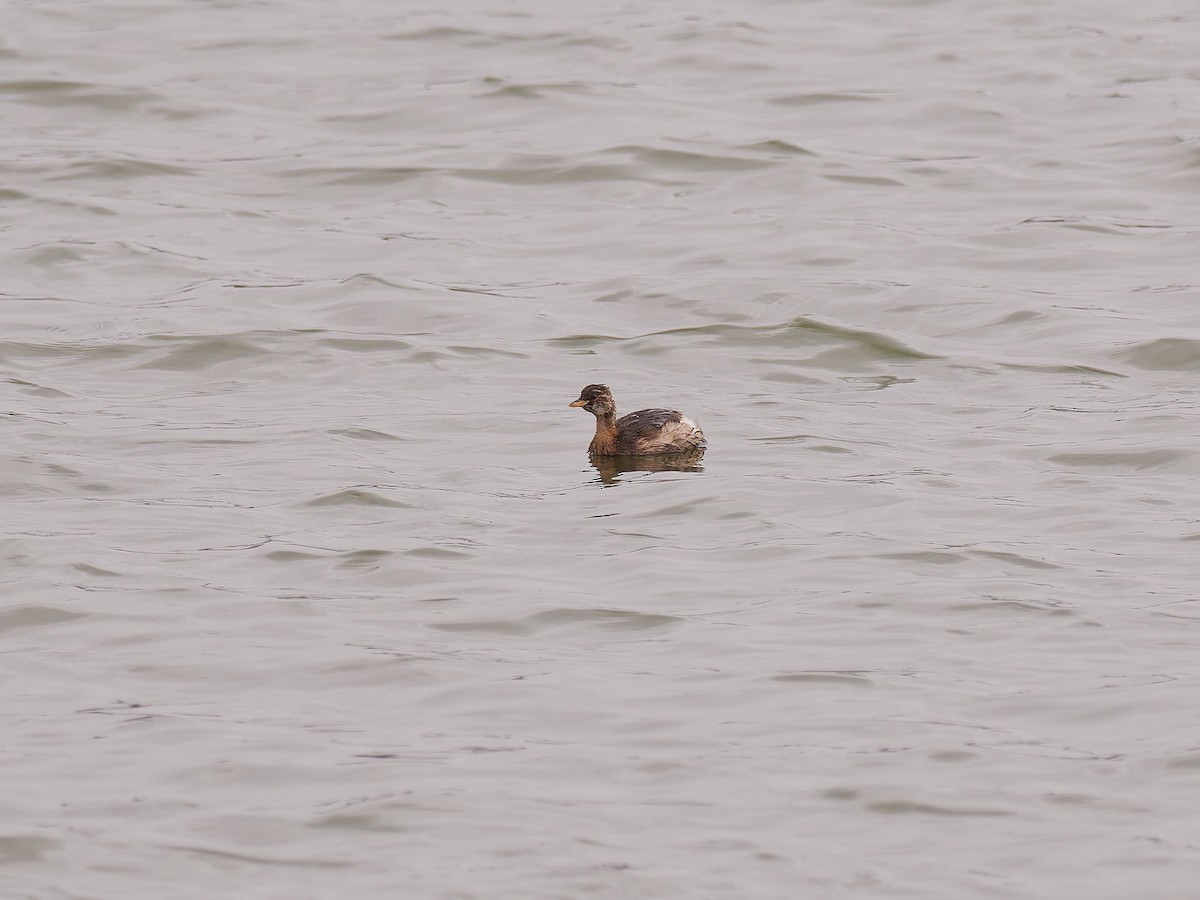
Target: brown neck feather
605, 440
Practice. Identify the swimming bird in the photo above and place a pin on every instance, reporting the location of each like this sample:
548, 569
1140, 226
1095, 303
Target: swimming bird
647, 432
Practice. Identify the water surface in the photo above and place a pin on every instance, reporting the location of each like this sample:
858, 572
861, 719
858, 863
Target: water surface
311, 590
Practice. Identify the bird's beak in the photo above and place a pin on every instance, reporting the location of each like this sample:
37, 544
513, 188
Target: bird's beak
579, 402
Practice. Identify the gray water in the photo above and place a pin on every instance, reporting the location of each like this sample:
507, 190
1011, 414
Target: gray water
310, 590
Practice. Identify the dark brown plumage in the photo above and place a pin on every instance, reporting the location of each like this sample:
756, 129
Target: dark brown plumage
647, 432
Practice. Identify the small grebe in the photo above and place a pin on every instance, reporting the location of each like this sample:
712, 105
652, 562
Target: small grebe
647, 432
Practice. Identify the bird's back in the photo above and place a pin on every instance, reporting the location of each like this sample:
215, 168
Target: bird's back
650, 431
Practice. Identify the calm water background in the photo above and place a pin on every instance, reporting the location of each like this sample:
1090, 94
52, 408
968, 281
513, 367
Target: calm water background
310, 590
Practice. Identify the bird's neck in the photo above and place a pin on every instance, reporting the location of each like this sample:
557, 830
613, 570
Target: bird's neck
605, 440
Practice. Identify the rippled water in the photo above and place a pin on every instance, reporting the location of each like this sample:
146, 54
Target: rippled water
310, 589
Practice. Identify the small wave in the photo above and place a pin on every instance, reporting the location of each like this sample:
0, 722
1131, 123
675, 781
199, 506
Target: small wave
1125, 460
793, 335
195, 353
52, 92
35, 616
356, 497
589, 619
852, 679
115, 168
1164, 354
818, 98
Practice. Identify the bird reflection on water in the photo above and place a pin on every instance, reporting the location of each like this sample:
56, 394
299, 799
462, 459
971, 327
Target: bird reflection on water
611, 468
